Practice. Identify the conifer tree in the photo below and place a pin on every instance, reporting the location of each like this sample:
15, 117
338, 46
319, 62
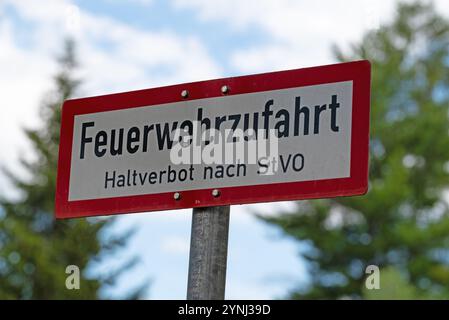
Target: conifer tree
403, 220
35, 249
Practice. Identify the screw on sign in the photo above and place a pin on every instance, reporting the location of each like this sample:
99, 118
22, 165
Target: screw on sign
287, 135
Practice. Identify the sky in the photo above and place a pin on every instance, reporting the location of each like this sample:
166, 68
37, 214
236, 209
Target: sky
136, 44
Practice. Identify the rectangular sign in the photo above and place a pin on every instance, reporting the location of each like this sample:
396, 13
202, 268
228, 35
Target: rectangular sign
285, 135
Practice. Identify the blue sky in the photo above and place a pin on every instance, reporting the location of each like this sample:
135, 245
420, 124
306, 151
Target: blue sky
127, 45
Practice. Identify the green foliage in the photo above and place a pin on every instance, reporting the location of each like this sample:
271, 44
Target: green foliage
394, 285
35, 249
403, 220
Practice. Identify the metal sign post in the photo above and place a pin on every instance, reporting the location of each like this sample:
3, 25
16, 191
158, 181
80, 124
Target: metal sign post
208, 253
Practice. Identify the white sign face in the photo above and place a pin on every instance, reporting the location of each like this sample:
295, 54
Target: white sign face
286, 135
135, 151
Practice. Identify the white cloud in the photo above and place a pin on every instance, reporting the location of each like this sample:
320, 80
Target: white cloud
23, 79
113, 57
131, 55
143, 3
138, 59
176, 245
290, 19
298, 33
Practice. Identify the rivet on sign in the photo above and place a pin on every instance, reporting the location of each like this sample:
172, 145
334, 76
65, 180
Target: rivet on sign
224, 89
215, 193
184, 93
176, 196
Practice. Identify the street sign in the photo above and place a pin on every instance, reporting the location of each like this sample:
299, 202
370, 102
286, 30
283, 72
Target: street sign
287, 135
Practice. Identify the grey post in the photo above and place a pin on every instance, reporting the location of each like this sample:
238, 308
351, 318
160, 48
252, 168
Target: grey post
208, 253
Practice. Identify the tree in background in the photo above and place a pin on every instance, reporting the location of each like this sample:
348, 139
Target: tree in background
403, 220
394, 286
35, 249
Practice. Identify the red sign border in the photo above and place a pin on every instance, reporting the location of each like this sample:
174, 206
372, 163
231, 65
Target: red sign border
356, 184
